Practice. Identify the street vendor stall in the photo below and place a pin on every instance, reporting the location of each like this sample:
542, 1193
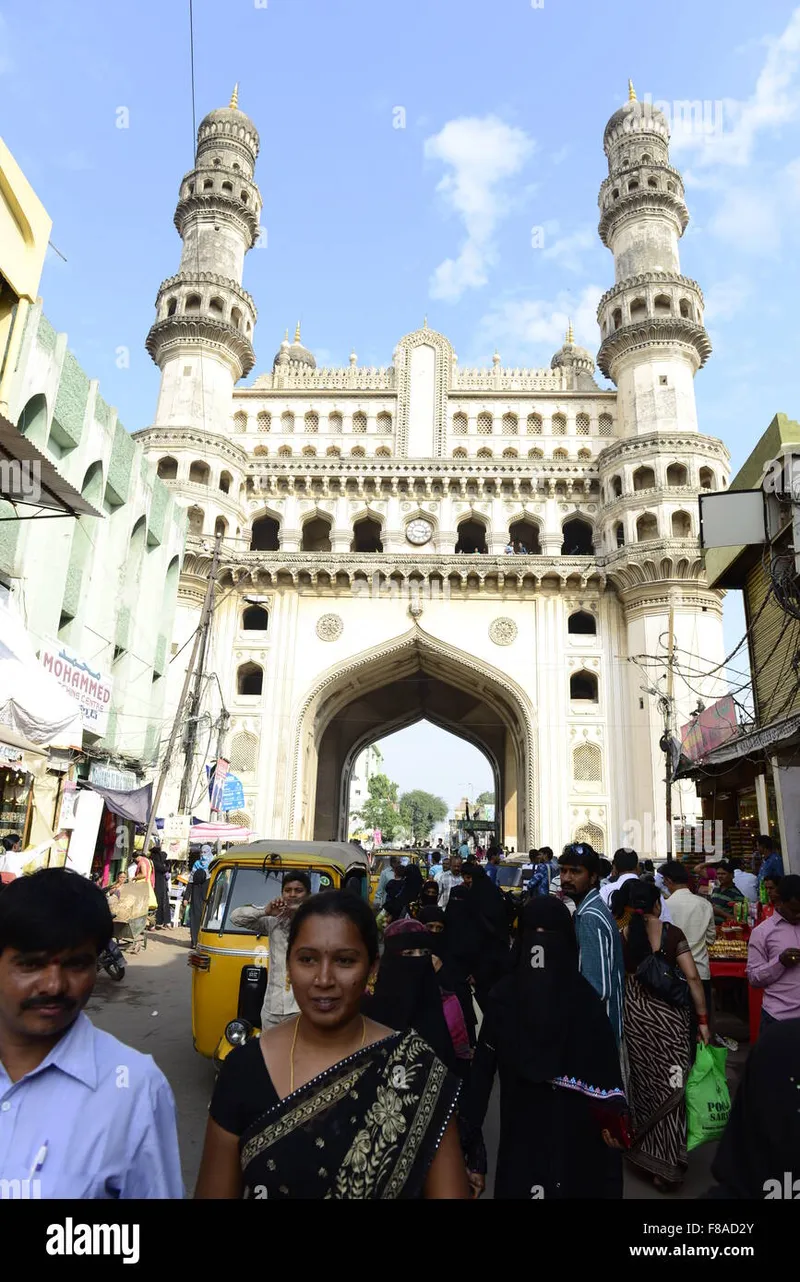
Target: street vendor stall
728, 960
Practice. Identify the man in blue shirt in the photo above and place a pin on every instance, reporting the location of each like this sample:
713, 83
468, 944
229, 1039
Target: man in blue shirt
492, 862
81, 1114
597, 933
771, 862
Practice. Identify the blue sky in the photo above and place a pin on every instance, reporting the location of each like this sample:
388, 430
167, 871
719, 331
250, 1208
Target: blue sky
370, 226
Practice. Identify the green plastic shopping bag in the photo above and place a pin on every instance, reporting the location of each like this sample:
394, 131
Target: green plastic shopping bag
708, 1102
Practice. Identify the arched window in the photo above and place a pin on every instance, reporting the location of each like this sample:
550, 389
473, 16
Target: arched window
524, 536
646, 527
358, 451
316, 535
227, 187
646, 160
578, 538
216, 306
309, 451
240, 421
76, 583
484, 424
335, 421
244, 752
605, 425
265, 535
583, 686
677, 474
312, 421
560, 454
706, 478
249, 679
510, 425
167, 469
236, 317
652, 182
261, 451
535, 454
264, 420
616, 317
459, 453
471, 536
582, 424
584, 454
199, 473
591, 835
255, 619
366, 536
619, 534
644, 478
633, 186
582, 624
333, 451
559, 425
638, 309
225, 482
510, 454
662, 305
383, 452
193, 304
196, 521
460, 424
384, 424
484, 453
616, 486
681, 525
686, 309
587, 761
534, 425
172, 306
220, 527
359, 421
208, 184
287, 421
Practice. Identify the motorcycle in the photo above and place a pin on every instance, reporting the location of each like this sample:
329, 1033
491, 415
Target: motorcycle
111, 960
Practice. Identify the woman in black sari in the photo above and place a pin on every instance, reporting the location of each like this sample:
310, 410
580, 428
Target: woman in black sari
561, 1098
332, 1104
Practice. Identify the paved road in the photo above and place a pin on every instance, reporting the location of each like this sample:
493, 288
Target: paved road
150, 1009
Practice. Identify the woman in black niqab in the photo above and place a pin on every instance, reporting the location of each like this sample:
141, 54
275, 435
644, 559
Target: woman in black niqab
478, 932
406, 992
546, 1032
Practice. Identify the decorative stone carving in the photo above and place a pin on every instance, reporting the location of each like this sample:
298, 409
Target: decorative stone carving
329, 627
503, 631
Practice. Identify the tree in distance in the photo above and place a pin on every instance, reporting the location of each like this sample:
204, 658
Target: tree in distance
421, 811
381, 809
485, 799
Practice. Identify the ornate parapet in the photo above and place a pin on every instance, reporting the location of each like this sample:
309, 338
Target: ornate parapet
651, 333
352, 378
510, 380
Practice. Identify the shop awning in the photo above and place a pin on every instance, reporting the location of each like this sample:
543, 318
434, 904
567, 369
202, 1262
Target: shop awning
35, 482
134, 805
12, 739
220, 832
32, 702
755, 743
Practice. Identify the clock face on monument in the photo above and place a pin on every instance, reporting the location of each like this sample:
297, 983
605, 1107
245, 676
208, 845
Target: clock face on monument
419, 532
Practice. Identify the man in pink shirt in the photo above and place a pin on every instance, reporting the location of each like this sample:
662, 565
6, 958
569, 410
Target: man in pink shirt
773, 956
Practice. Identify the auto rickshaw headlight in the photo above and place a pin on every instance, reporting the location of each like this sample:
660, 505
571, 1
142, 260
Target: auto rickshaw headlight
238, 1031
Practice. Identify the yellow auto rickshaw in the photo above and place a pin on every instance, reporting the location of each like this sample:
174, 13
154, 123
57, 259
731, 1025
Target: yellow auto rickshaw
230, 963
380, 861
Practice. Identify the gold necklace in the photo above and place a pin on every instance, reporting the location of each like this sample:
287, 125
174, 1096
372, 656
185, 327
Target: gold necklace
294, 1043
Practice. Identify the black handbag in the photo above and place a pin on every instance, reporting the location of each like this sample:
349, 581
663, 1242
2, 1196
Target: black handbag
663, 980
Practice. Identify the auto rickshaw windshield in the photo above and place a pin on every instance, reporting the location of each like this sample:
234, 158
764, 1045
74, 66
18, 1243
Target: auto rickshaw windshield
244, 887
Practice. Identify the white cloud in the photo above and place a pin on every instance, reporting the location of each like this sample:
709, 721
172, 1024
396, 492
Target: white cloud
568, 251
516, 325
774, 102
480, 155
725, 299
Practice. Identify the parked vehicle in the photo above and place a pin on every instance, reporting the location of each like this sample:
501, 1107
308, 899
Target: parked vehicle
112, 961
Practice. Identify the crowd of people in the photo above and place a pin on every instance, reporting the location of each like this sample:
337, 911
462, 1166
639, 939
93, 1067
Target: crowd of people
385, 1028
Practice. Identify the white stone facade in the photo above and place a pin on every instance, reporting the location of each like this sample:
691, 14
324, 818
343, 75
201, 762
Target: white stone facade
366, 511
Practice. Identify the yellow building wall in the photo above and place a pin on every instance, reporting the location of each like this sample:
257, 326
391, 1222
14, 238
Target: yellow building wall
24, 235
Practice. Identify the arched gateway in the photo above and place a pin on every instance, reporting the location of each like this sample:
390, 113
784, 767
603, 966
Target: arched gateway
411, 550
394, 686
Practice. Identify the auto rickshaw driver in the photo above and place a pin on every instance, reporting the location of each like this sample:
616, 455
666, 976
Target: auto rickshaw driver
274, 921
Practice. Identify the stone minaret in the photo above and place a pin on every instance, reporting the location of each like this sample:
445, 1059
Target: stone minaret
202, 338
652, 344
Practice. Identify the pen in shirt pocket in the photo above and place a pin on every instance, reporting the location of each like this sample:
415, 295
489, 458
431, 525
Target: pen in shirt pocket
39, 1160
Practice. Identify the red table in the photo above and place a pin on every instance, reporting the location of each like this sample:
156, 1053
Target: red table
738, 970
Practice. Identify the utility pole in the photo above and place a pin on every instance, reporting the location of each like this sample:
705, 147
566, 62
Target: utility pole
204, 618
194, 701
666, 741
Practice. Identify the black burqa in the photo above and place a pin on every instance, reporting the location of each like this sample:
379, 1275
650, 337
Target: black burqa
762, 1139
197, 896
478, 935
546, 1032
161, 868
450, 976
408, 996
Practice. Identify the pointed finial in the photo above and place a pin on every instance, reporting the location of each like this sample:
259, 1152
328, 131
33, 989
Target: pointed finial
297, 333
353, 358
425, 323
631, 92
496, 357
570, 334
286, 335
235, 96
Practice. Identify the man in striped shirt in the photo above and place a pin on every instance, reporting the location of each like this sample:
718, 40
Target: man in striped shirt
597, 933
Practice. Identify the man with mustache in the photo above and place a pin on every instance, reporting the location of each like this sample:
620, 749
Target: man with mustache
81, 1114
